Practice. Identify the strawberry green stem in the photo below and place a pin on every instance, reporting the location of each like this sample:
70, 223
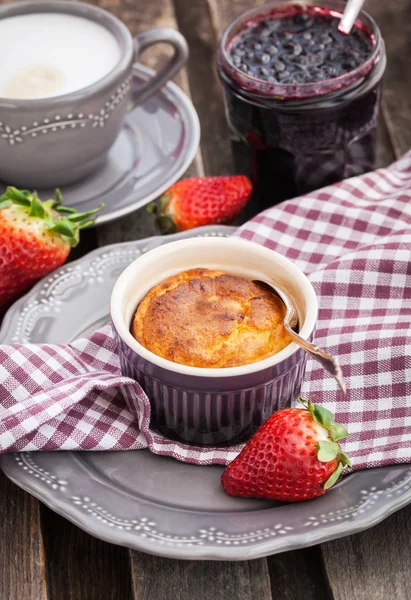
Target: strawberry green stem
58, 219
80, 217
64, 209
18, 196
329, 450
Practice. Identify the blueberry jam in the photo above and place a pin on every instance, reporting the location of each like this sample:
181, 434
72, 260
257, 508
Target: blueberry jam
300, 48
301, 97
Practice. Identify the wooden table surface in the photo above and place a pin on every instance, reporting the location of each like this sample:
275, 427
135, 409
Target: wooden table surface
43, 556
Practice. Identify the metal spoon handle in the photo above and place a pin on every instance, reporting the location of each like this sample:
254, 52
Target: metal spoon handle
328, 362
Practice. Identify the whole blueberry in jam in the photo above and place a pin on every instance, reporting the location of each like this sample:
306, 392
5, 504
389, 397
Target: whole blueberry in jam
302, 47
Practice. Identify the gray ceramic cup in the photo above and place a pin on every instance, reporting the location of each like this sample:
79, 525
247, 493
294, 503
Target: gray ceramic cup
49, 142
212, 406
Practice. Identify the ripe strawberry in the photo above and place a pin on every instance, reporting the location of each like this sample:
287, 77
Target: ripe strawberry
199, 201
294, 456
35, 238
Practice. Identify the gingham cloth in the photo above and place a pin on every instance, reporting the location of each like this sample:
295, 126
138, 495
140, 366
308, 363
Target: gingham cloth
353, 240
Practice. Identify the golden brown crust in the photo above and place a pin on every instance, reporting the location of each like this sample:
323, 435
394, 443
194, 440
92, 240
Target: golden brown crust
207, 318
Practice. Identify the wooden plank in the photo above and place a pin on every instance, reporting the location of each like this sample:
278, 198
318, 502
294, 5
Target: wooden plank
22, 570
195, 21
164, 579
394, 19
299, 575
81, 567
373, 564
224, 12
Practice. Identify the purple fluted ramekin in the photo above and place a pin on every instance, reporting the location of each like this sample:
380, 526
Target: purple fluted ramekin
204, 406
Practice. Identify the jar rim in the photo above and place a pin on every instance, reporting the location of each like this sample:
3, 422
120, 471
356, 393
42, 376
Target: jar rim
300, 91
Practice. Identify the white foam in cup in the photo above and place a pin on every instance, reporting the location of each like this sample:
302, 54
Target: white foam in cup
50, 54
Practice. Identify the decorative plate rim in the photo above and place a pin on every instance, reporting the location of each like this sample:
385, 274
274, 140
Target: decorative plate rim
280, 543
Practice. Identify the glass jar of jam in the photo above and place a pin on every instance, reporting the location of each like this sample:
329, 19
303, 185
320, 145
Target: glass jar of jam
303, 96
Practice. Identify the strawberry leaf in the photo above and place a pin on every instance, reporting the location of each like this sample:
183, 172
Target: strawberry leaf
36, 208
323, 416
320, 415
74, 240
327, 451
17, 196
334, 477
337, 432
5, 203
152, 208
63, 227
79, 217
64, 209
344, 459
85, 224
309, 406
164, 200
59, 196
48, 205
166, 224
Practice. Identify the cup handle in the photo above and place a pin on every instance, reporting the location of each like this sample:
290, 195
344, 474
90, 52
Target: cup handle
178, 60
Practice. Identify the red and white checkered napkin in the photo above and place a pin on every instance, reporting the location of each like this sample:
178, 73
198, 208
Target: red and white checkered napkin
353, 240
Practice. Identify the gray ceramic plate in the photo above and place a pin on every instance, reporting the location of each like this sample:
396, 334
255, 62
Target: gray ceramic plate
156, 145
157, 504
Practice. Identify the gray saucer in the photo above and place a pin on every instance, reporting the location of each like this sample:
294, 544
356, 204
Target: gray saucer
158, 504
156, 145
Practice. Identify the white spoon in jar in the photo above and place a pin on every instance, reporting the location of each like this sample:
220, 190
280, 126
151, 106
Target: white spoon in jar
351, 12
328, 362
